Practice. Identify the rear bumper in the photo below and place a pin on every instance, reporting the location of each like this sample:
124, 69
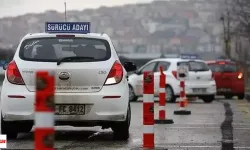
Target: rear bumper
210, 87
98, 108
237, 88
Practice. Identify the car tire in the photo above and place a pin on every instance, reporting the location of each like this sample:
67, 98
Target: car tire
132, 96
25, 127
9, 128
208, 99
228, 96
241, 96
170, 97
121, 129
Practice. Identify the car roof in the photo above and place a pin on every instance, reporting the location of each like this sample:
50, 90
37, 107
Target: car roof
210, 61
174, 59
88, 35
216, 61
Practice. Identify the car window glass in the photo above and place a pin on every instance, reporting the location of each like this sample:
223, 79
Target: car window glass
149, 67
53, 49
223, 67
165, 66
195, 65
198, 66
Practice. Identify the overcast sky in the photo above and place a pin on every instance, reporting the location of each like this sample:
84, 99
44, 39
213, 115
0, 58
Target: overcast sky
19, 7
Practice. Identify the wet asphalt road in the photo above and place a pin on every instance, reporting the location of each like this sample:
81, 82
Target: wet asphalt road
222, 125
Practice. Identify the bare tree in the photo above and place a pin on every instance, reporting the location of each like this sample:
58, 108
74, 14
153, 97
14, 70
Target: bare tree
226, 23
236, 30
241, 15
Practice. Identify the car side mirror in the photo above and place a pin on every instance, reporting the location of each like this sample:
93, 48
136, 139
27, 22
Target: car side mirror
129, 66
5, 66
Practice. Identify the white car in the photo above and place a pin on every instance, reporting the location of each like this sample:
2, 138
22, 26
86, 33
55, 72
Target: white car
88, 75
200, 82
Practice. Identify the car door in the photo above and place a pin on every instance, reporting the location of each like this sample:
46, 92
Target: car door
157, 74
139, 83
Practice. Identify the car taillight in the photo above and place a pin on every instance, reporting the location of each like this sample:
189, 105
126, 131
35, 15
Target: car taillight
175, 74
115, 74
13, 74
240, 76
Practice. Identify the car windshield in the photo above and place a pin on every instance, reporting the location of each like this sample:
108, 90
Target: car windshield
223, 67
54, 49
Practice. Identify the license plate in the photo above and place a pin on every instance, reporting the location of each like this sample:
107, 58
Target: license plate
70, 109
224, 90
199, 90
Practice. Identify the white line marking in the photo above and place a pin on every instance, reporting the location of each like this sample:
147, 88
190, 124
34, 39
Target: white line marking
241, 128
198, 123
171, 146
242, 147
192, 127
203, 128
193, 146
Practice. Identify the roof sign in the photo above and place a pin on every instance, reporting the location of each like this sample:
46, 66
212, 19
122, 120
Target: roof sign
188, 56
67, 27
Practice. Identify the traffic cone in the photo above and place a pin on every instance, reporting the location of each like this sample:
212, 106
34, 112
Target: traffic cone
148, 110
162, 101
44, 112
183, 100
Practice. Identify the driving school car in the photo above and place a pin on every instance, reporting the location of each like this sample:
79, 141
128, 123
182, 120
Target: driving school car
199, 82
91, 88
229, 79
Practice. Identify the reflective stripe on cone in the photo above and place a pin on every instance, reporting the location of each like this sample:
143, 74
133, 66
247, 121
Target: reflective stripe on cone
161, 108
147, 98
162, 90
44, 120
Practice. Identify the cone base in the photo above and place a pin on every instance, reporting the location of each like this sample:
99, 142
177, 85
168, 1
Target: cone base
182, 112
165, 121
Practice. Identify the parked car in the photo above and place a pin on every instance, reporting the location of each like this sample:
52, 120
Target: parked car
200, 82
229, 79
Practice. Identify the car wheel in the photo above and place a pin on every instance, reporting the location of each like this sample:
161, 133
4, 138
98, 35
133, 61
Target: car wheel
121, 129
9, 128
208, 99
170, 97
228, 96
132, 96
241, 96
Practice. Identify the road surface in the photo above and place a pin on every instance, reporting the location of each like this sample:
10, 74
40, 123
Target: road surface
223, 124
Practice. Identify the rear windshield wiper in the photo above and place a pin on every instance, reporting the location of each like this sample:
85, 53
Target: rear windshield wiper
68, 59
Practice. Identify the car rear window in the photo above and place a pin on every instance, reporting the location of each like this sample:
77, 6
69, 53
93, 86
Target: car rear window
53, 49
223, 67
196, 65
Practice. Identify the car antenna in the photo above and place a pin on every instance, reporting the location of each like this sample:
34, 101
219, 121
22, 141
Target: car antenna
65, 11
